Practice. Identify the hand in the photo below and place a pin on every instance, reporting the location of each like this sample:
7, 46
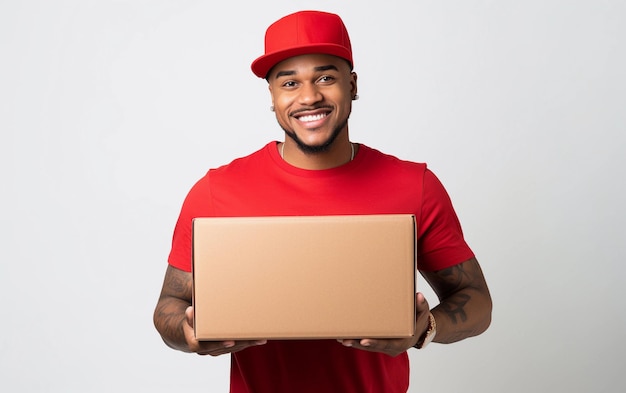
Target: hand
213, 348
394, 347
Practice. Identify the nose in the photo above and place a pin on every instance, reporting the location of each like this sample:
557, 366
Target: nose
309, 94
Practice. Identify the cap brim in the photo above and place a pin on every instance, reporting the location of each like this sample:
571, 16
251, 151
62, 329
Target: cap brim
262, 65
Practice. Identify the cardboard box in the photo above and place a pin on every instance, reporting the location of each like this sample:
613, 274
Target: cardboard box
304, 277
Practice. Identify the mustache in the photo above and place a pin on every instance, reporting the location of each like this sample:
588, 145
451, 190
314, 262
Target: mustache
309, 109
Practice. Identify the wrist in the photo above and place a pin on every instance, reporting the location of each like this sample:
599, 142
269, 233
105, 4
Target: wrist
429, 334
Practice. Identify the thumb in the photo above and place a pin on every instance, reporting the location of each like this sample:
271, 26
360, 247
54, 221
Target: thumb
189, 315
421, 304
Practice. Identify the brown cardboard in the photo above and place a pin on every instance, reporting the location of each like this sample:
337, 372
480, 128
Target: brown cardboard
304, 277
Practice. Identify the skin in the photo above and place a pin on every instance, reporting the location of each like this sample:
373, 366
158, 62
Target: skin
464, 309
322, 87
314, 85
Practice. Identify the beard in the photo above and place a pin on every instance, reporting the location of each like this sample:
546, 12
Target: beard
316, 149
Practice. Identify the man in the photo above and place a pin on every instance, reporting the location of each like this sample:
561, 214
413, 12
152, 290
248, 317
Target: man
317, 170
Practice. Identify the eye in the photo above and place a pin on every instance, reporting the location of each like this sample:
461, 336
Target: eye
289, 84
326, 79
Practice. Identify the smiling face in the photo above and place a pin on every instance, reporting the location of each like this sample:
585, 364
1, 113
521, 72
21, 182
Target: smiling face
312, 97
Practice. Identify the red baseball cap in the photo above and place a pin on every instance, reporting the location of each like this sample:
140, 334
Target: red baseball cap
301, 33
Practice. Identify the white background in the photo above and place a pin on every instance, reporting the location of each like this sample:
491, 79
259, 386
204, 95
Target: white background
111, 110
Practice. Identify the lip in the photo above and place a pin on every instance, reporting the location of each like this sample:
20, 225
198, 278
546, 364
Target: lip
312, 118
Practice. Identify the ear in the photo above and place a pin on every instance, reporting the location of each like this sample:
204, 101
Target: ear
269, 87
353, 84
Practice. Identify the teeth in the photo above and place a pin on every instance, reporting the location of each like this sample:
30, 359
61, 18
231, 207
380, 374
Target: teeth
312, 117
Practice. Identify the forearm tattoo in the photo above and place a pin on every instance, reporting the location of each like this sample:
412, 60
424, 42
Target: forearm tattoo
464, 299
170, 311
454, 307
178, 285
454, 278
454, 286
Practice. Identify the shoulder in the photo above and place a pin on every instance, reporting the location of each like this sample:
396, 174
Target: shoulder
376, 157
245, 165
236, 170
377, 164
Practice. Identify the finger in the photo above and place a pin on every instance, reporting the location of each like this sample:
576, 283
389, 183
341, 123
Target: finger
225, 347
189, 315
369, 343
216, 348
347, 342
365, 343
421, 303
378, 345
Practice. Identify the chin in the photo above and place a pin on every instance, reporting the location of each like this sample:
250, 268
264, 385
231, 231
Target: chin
316, 145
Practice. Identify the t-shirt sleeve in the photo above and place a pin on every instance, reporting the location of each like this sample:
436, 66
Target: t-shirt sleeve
197, 204
440, 238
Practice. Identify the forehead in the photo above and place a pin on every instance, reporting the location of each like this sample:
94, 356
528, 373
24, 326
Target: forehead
309, 63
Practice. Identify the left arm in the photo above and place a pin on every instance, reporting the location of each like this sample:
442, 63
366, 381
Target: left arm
464, 310
465, 303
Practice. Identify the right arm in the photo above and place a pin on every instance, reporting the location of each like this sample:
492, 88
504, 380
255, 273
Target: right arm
169, 316
173, 318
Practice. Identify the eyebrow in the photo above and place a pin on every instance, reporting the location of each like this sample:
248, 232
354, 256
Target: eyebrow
317, 69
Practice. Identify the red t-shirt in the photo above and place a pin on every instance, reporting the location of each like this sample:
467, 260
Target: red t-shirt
263, 184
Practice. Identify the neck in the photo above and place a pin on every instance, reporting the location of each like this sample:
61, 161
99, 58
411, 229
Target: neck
339, 154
